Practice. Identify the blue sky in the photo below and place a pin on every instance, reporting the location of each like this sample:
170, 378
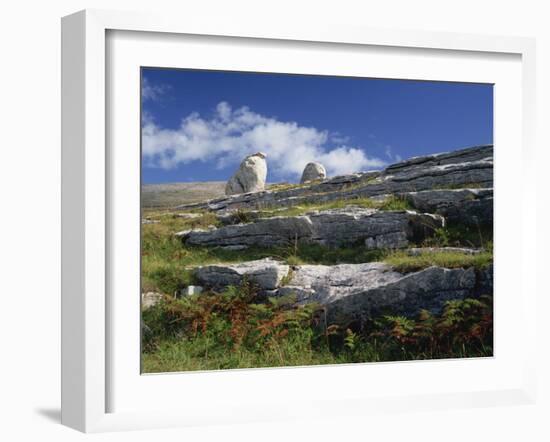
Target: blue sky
198, 125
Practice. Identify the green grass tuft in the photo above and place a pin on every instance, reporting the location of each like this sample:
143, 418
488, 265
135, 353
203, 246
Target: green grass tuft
276, 187
461, 236
390, 203
402, 262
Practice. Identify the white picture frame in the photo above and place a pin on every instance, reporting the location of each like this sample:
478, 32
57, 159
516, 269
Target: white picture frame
86, 316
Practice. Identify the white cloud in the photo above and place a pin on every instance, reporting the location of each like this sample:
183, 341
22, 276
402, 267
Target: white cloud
152, 92
338, 138
392, 156
230, 135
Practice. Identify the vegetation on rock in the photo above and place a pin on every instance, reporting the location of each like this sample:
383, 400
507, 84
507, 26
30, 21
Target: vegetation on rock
389, 203
234, 330
404, 263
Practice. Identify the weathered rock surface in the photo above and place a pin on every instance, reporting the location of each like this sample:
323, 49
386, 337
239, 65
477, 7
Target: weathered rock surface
332, 228
464, 206
357, 291
238, 217
266, 273
484, 285
469, 154
462, 168
150, 299
417, 251
250, 177
312, 172
352, 292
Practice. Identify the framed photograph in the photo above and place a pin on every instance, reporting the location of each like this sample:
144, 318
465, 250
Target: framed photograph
267, 223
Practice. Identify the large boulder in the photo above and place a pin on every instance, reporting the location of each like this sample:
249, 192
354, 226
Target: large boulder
250, 177
312, 172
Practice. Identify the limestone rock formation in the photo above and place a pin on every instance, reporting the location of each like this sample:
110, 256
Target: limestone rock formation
312, 172
250, 177
332, 228
266, 273
472, 167
353, 291
454, 188
464, 206
358, 291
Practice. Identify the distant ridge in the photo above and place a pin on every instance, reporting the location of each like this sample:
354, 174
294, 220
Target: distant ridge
172, 194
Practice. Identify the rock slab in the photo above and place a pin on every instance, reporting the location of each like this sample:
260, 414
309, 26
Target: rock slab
332, 228
354, 292
462, 206
358, 291
266, 274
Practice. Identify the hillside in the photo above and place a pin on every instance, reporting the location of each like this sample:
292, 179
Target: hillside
338, 263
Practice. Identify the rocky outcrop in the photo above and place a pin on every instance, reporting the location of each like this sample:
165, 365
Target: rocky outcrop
312, 172
454, 188
333, 228
358, 291
238, 217
250, 177
462, 168
470, 154
266, 274
463, 206
353, 292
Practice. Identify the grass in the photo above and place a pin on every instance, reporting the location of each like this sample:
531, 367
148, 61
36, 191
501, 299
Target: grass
169, 222
361, 183
318, 254
173, 194
390, 203
164, 262
449, 236
167, 265
461, 236
233, 330
286, 186
404, 263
